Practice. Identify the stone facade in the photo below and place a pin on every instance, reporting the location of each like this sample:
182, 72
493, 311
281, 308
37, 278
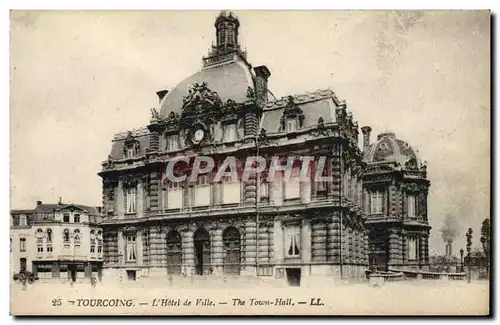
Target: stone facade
57, 242
294, 233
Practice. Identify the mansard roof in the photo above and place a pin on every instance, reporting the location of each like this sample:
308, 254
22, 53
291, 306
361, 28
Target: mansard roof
314, 105
119, 140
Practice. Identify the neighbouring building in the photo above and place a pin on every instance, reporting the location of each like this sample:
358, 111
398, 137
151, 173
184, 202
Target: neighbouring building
57, 241
372, 210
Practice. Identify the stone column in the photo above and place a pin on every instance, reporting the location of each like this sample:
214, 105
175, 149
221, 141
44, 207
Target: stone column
357, 259
333, 248
345, 247
263, 243
120, 201
139, 247
367, 248
187, 250
306, 248
217, 248
394, 247
422, 250
319, 240
278, 241
140, 199
251, 246
121, 247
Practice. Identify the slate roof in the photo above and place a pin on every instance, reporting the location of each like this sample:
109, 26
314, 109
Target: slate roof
229, 80
320, 103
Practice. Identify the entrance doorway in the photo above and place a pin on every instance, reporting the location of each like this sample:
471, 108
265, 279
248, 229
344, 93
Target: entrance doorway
293, 276
232, 251
202, 251
72, 272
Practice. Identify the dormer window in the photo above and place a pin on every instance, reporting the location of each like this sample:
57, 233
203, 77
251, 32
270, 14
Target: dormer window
377, 199
131, 146
291, 125
293, 117
230, 133
130, 153
172, 142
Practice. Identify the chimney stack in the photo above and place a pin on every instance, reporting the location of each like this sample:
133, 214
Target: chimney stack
366, 136
262, 74
38, 203
161, 94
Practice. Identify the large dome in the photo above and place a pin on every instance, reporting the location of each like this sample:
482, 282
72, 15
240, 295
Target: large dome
388, 148
230, 81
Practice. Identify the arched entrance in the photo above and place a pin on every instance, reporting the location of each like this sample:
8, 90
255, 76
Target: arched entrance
232, 251
174, 252
202, 251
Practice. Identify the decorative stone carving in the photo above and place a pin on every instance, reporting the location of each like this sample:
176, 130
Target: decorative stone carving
292, 110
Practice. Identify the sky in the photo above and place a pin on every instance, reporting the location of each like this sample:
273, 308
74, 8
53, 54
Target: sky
79, 77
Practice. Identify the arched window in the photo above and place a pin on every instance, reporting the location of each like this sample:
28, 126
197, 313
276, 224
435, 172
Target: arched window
232, 250
66, 235
201, 240
49, 235
174, 252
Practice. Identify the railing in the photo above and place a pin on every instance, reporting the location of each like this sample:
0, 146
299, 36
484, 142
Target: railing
425, 275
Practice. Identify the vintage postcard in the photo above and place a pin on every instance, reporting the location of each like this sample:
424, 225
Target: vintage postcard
250, 162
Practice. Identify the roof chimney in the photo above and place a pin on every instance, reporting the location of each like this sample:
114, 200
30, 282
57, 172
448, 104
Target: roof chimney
366, 136
38, 203
161, 94
262, 75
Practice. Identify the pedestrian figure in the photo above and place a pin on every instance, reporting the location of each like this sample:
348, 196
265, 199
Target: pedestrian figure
93, 282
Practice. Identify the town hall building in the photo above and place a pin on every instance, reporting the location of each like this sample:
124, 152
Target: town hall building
371, 211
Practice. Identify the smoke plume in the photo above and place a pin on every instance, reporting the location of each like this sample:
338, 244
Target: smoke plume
450, 229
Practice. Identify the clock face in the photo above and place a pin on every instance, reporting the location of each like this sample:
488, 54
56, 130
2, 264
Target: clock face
198, 135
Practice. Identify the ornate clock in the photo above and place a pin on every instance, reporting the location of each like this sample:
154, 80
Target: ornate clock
198, 136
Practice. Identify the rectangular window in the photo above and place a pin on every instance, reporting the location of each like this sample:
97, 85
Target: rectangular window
230, 191
175, 195
131, 200
264, 191
131, 253
130, 152
411, 206
49, 250
292, 185
77, 218
39, 249
292, 241
291, 125
92, 249
377, 199
23, 220
202, 191
230, 132
22, 244
99, 249
172, 142
412, 248
66, 217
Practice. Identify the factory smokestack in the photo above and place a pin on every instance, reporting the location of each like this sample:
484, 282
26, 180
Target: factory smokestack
449, 232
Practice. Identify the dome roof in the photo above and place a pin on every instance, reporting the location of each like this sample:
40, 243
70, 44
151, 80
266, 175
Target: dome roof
229, 80
388, 148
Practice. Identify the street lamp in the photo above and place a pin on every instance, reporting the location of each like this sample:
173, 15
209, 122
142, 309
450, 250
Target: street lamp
461, 259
